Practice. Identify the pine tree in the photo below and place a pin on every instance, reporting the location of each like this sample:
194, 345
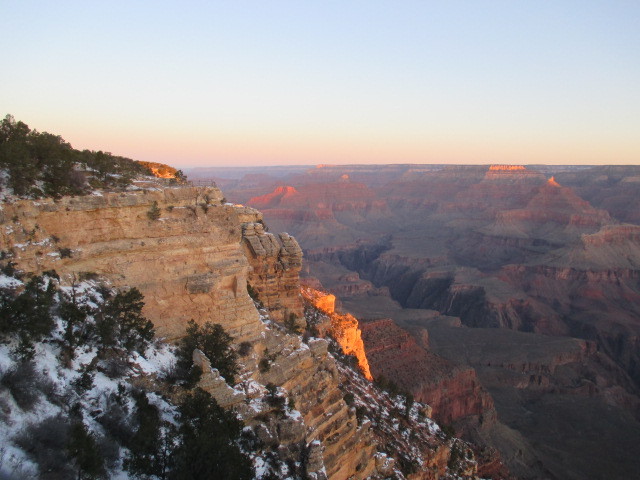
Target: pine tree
121, 323
148, 448
208, 436
154, 211
85, 453
215, 343
29, 313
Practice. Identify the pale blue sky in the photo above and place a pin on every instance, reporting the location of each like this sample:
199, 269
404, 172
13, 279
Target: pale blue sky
231, 83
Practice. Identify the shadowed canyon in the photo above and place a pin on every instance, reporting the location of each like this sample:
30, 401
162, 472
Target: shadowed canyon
506, 298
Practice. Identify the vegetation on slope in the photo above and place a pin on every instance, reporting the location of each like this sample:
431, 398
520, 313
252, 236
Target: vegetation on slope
37, 164
82, 393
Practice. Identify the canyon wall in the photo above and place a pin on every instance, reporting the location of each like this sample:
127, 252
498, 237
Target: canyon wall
188, 262
538, 251
191, 255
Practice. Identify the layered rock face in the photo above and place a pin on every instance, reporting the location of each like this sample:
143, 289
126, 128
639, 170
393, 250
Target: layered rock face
188, 262
554, 213
276, 262
453, 392
615, 188
325, 435
530, 249
343, 195
327, 210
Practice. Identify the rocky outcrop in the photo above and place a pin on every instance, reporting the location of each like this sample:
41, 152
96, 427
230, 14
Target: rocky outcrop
276, 262
344, 327
349, 285
529, 249
410, 441
306, 418
282, 194
554, 212
313, 210
160, 170
339, 196
615, 188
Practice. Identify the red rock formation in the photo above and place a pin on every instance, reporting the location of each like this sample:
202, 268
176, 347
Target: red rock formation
342, 195
512, 174
554, 204
320, 210
280, 195
453, 391
552, 182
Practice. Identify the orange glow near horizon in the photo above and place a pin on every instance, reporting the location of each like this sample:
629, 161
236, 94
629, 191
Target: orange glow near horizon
185, 145
232, 149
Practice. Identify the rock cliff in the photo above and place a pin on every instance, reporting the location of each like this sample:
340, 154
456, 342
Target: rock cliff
536, 249
187, 262
191, 255
344, 328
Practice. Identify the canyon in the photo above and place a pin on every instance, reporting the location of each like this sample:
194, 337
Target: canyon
515, 290
193, 256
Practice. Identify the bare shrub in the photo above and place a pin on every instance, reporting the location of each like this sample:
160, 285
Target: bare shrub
5, 410
48, 388
46, 443
244, 349
22, 380
172, 373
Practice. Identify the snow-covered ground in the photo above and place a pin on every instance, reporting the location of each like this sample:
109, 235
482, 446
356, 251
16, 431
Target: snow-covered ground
54, 386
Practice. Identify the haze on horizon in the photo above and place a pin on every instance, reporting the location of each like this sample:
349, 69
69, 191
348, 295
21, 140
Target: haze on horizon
259, 83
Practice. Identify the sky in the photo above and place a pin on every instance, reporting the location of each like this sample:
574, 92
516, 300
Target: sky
304, 82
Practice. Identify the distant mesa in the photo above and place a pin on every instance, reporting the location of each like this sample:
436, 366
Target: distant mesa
511, 173
507, 168
285, 190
